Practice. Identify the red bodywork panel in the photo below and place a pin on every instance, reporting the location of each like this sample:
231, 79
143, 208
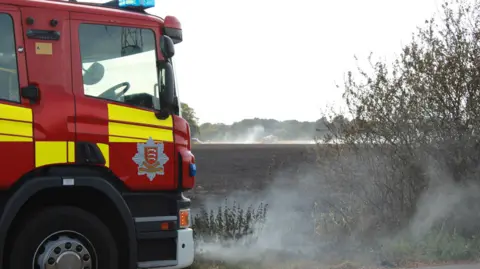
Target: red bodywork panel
65, 115
183, 146
21, 154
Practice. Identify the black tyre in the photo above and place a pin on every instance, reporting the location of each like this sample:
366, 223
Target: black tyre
68, 237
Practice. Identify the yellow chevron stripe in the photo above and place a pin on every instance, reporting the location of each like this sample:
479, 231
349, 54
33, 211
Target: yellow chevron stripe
11, 138
8, 127
58, 152
10, 112
118, 139
71, 152
105, 149
140, 132
133, 115
50, 152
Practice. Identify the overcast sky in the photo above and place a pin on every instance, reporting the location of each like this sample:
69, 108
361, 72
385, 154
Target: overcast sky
281, 59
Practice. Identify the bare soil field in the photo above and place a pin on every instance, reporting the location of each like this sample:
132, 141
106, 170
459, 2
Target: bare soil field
224, 168
247, 165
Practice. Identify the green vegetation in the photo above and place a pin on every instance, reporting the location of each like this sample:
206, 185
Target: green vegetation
403, 185
229, 223
188, 114
284, 130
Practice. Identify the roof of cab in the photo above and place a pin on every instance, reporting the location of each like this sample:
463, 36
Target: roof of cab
84, 8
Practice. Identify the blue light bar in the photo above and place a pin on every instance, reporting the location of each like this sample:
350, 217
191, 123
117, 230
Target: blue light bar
136, 3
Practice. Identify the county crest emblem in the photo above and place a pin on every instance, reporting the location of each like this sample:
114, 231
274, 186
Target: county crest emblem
150, 159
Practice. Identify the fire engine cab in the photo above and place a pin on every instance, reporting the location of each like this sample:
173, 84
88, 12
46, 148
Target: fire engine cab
94, 153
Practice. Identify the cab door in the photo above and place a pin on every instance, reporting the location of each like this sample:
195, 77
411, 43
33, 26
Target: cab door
115, 83
46, 33
16, 130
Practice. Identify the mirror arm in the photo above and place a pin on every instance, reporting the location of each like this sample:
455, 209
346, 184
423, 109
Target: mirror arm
166, 96
176, 106
165, 110
162, 114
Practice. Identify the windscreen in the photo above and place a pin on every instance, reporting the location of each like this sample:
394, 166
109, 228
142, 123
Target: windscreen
128, 58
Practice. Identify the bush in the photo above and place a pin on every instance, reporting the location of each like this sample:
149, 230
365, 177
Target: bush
229, 223
407, 160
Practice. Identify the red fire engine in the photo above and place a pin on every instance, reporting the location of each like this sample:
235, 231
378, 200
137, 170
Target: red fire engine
94, 153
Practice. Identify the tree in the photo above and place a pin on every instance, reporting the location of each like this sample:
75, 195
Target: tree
420, 113
188, 114
431, 93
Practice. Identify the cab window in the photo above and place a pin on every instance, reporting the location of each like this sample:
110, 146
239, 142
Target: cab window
119, 64
9, 85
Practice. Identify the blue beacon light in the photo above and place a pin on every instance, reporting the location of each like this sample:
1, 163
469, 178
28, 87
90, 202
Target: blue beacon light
136, 3
193, 170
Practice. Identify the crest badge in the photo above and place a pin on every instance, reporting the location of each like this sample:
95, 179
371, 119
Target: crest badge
150, 159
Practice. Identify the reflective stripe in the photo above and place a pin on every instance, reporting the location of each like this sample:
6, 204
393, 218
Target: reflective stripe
71, 152
57, 152
11, 138
50, 152
136, 131
9, 127
118, 139
105, 149
15, 124
134, 115
17, 113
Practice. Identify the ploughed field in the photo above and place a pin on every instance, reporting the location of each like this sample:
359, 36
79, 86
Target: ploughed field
224, 169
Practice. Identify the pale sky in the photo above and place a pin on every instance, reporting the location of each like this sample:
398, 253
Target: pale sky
280, 59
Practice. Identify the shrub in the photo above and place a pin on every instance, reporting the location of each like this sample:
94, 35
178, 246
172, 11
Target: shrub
412, 135
229, 223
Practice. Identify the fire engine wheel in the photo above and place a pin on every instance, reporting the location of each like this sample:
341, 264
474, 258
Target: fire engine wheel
63, 237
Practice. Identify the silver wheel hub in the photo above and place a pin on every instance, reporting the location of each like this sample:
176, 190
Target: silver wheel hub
63, 250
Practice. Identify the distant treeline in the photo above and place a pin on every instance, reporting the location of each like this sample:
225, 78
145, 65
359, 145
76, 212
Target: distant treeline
255, 129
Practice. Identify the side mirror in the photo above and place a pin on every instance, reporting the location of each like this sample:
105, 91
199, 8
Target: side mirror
166, 89
168, 94
167, 46
93, 74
